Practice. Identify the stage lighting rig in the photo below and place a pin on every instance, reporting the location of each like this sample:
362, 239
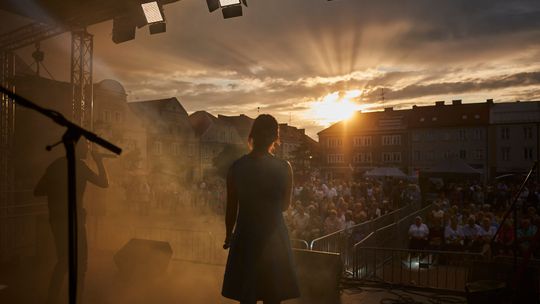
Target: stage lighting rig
229, 8
136, 16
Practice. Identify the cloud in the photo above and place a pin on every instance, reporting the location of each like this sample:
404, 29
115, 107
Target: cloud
283, 55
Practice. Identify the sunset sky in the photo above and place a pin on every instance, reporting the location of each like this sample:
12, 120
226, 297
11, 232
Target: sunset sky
313, 61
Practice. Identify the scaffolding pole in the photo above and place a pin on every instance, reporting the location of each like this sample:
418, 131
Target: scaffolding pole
82, 46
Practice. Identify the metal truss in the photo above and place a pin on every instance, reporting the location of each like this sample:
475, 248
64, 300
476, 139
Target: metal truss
28, 35
82, 47
7, 130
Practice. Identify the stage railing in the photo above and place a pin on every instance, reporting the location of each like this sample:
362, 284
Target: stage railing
342, 241
419, 268
394, 235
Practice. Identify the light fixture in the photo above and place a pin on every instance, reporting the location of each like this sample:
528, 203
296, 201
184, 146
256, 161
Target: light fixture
123, 29
229, 8
137, 16
152, 12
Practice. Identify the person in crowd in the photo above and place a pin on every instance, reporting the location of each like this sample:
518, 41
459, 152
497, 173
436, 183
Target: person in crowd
505, 239
332, 222
453, 235
315, 223
300, 223
525, 234
486, 231
436, 234
418, 234
349, 222
471, 233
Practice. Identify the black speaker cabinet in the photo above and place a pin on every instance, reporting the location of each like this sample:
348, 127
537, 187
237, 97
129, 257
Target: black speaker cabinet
319, 274
143, 258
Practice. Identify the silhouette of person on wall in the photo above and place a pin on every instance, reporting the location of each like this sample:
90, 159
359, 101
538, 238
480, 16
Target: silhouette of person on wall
53, 184
259, 189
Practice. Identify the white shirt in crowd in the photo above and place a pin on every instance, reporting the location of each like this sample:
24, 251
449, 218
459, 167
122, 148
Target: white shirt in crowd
421, 231
451, 234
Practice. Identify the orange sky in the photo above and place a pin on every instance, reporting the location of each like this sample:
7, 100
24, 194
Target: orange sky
311, 61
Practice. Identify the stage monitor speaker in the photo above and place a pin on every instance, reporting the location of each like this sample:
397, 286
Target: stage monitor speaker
319, 275
143, 258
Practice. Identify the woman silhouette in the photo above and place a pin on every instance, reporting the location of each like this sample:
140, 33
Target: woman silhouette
259, 187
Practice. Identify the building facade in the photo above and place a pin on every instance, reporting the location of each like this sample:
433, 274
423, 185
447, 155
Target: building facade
449, 132
514, 137
365, 141
213, 135
171, 145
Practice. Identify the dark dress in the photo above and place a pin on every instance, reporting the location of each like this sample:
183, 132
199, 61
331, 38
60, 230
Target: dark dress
260, 266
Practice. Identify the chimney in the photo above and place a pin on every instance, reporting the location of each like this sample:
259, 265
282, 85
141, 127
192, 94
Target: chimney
439, 103
456, 102
489, 101
414, 107
390, 109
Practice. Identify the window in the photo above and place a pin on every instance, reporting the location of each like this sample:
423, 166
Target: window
334, 142
117, 117
505, 153
396, 156
416, 136
462, 135
527, 132
479, 154
335, 158
364, 157
477, 134
528, 153
391, 157
157, 147
391, 140
505, 133
176, 149
106, 116
463, 154
362, 141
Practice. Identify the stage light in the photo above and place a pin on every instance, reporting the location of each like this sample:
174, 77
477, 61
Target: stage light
123, 29
232, 11
152, 12
156, 28
224, 3
137, 16
229, 8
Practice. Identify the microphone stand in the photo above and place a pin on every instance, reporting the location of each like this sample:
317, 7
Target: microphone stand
69, 139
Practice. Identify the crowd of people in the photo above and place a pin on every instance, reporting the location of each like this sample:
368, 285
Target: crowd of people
466, 217
320, 207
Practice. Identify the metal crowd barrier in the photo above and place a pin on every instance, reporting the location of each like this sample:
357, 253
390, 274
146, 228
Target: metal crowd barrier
419, 268
342, 241
394, 235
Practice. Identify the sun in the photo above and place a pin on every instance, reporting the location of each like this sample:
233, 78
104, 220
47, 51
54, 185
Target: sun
335, 107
